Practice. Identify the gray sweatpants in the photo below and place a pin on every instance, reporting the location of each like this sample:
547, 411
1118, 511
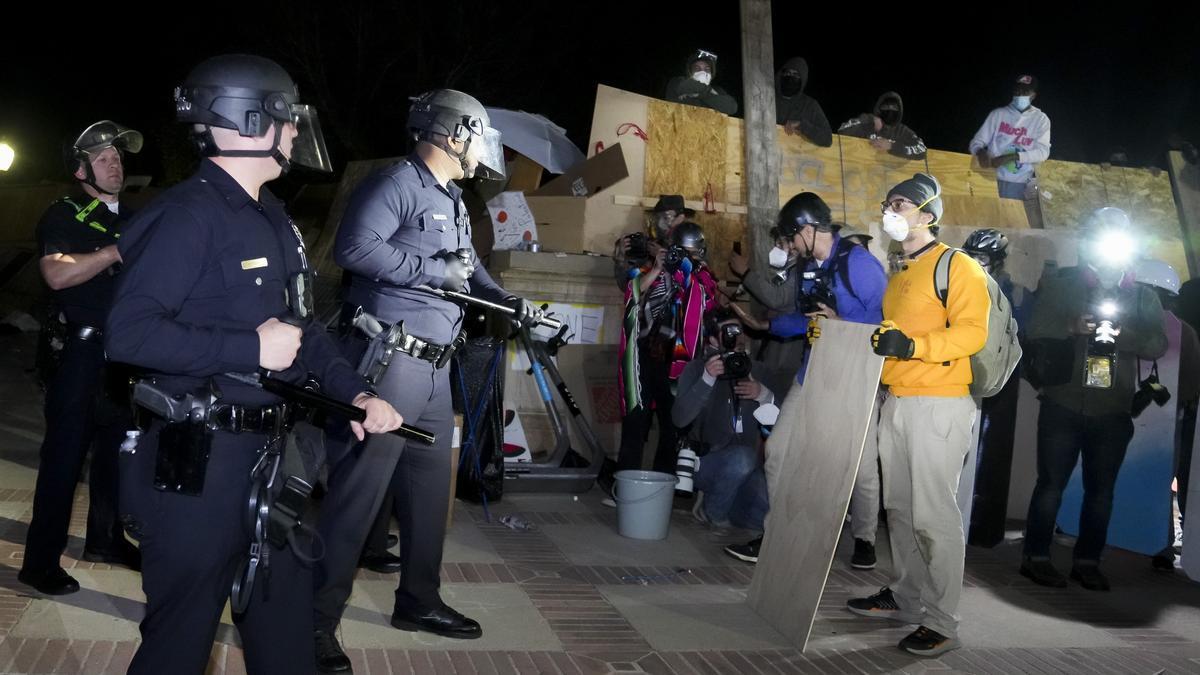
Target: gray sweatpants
923, 442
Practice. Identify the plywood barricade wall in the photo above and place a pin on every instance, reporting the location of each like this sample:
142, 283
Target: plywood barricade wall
698, 153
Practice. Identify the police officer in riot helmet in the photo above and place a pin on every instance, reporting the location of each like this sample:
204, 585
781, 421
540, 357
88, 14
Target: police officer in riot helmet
208, 298
405, 237
78, 238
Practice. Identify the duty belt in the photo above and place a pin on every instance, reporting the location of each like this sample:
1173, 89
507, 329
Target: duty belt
272, 419
398, 340
85, 333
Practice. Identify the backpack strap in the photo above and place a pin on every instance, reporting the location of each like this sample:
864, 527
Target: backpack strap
941, 276
840, 261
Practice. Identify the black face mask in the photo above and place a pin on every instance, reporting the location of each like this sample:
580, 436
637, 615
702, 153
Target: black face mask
889, 117
790, 85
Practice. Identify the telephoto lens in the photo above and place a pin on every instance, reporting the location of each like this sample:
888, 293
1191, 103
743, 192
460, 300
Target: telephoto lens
686, 466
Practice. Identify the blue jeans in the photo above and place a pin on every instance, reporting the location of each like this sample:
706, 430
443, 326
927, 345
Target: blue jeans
734, 487
1010, 190
1064, 435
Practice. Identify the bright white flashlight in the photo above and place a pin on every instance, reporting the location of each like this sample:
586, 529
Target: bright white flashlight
1114, 249
1108, 309
7, 155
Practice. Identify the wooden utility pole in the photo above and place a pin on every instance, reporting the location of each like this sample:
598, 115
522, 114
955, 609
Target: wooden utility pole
762, 154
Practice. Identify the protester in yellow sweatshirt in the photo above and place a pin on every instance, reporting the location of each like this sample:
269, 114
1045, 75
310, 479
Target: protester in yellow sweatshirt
925, 422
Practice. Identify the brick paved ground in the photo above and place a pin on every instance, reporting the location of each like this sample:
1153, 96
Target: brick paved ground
572, 597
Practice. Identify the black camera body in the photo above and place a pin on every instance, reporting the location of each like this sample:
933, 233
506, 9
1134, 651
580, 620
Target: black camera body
1149, 391
820, 294
639, 251
674, 257
737, 363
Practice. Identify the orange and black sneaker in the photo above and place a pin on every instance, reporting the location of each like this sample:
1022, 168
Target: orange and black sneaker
928, 642
882, 605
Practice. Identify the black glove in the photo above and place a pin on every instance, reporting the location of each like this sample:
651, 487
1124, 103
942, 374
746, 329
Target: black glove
890, 341
527, 314
458, 270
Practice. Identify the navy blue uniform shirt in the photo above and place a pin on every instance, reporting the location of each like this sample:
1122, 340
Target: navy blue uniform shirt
82, 224
205, 265
396, 222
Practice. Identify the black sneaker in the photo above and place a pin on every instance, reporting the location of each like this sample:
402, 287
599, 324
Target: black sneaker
1043, 573
747, 552
864, 555
1089, 577
882, 605
928, 642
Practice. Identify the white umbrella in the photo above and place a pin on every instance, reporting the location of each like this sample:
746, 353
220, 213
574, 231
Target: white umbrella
537, 138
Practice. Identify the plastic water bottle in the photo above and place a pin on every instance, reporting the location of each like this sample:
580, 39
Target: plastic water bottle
131, 440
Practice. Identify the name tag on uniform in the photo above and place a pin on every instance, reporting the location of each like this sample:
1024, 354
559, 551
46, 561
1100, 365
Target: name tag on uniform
438, 216
254, 263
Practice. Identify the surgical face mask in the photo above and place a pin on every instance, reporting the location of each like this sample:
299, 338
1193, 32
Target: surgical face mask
895, 226
889, 117
702, 76
790, 85
777, 258
1021, 102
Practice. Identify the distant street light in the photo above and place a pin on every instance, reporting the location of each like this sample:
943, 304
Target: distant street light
7, 155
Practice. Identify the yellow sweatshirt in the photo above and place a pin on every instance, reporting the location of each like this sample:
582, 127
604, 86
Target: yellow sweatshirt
944, 337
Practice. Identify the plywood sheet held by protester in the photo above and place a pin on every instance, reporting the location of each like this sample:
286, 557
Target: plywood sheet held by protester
812, 458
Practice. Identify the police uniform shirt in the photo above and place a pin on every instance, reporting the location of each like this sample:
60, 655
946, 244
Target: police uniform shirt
395, 223
205, 265
77, 225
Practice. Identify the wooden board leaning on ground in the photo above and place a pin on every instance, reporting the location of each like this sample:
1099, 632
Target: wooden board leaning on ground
812, 458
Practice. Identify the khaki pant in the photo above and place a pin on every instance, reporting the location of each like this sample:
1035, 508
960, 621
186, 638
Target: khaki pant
864, 501
923, 442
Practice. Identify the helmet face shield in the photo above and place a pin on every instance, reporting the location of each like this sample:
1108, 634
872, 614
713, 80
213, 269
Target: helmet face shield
104, 133
308, 148
490, 153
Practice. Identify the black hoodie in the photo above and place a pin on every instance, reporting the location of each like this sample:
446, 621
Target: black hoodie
801, 107
685, 90
905, 142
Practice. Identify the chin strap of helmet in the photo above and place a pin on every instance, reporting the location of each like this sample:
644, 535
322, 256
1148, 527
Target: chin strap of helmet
207, 146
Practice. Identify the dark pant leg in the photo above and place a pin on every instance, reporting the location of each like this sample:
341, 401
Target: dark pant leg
191, 548
998, 424
1105, 441
358, 480
1183, 471
377, 537
70, 406
668, 443
633, 437
104, 531
1060, 437
277, 627
422, 496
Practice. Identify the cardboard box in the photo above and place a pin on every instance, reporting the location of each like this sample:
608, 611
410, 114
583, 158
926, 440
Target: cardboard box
575, 212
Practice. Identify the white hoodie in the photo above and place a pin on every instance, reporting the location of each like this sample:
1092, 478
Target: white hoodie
1006, 130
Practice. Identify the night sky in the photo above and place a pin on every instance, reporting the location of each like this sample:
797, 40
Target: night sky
1108, 81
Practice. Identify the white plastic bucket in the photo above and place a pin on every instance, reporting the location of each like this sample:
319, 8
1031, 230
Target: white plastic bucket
644, 503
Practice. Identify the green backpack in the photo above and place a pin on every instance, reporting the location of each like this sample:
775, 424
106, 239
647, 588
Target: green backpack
994, 364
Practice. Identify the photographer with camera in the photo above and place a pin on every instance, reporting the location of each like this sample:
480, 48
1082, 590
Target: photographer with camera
665, 307
639, 250
1090, 325
718, 396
